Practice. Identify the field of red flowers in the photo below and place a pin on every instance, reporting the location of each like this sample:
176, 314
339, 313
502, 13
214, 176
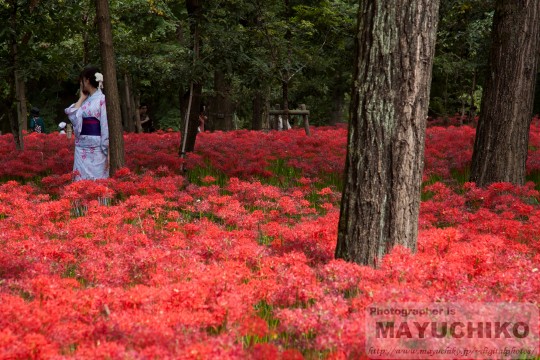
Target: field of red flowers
234, 259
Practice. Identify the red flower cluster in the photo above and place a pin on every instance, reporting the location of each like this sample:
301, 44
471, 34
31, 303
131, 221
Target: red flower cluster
148, 265
248, 154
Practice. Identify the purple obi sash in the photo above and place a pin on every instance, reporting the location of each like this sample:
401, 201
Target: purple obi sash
90, 126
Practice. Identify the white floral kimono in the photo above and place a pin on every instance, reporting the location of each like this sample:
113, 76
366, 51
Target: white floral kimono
91, 137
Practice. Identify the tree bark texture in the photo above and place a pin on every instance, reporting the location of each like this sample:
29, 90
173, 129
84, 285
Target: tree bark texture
502, 137
384, 164
108, 63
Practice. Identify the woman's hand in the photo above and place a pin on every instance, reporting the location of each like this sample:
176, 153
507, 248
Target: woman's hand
82, 96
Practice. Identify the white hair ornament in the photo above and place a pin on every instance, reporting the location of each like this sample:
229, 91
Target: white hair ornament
99, 79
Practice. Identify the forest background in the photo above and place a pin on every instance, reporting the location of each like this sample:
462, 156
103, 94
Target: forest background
254, 55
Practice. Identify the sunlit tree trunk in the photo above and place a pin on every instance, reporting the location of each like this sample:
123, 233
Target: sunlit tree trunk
383, 171
116, 139
502, 136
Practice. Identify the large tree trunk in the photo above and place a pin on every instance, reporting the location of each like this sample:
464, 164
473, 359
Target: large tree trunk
383, 172
221, 107
116, 138
502, 137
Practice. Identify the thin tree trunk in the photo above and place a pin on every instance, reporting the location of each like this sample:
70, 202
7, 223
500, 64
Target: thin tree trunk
446, 119
123, 105
14, 112
338, 94
502, 137
20, 84
193, 118
266, 110
22, 109
221, 114
86, 46
383, 171
257, 115
194, 9
472, 106
129, 105
183, 96
5, 126
285, 99
285, 82
463, 112
135, 105
116, 139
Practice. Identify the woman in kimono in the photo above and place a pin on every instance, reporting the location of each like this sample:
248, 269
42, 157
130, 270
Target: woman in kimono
89, 119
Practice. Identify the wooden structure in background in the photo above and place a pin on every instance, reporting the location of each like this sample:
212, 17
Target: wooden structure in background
303, 111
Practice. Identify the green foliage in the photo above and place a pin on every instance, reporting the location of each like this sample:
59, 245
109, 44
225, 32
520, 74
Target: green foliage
148, 48
199, 173
463, 42
257, 44
169, 118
